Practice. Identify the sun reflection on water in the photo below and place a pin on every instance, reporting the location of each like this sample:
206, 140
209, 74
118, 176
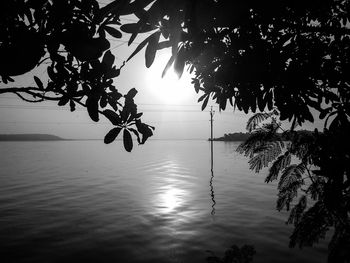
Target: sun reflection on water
170, 199
171, 194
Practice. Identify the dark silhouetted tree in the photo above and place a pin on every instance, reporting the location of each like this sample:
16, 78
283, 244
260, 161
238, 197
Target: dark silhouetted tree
291, 59
287, 59
71, 36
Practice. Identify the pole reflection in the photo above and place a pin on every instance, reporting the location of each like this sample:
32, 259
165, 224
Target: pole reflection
212, 193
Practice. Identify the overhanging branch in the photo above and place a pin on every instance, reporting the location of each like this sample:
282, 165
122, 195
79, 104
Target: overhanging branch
33, 91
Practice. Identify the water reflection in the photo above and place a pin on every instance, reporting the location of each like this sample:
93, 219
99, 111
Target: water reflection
172, 190
170, 198
153, 207
212, 193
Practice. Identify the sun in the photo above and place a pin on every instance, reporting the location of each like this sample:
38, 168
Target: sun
169, 89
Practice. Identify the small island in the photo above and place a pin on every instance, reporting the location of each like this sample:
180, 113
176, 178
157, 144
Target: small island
29, 137
240, 136
233, 137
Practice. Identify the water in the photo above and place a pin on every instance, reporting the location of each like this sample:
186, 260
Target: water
84, 201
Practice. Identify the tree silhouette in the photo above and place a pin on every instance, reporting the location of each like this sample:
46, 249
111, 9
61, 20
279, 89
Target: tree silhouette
71, 36
287, 59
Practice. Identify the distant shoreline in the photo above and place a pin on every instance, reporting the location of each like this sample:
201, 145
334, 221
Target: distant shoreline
49, 137
240, 136
30, 137
233, 137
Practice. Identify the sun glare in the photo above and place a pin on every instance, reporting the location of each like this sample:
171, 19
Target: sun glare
169, 89
170, 199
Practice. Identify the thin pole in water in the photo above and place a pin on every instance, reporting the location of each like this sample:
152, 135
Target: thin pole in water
212, 161
211, 136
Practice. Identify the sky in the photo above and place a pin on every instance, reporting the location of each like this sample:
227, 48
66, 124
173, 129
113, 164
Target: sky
168, 104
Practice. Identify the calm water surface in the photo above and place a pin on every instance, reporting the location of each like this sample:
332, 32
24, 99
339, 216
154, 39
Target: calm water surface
84, 201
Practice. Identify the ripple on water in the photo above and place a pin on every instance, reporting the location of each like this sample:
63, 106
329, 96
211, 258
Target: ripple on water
87, 202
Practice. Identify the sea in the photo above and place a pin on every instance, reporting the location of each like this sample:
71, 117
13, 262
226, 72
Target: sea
84, 201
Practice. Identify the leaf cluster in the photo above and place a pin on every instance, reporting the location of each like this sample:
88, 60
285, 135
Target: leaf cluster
72, 38
253, 55
312, 164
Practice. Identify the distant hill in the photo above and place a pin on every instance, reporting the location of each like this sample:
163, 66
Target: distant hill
29, 137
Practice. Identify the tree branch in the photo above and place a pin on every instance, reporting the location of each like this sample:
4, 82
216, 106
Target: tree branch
33, 91
16, 89
28, 100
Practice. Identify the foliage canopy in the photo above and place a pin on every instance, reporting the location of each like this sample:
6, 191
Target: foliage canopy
287, 59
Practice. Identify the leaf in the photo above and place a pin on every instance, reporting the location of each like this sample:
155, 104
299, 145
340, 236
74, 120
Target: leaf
152, 49
269, 100
127, 140
256, 119
324, 113
164, 44
202, 97
290, 174
72, 105
255, 140
196, 86
114, 7
113, 32
112, 117
266, 154
132, 38
297, 211
38, 83
103, 101
134, 6
135, 28
205, 102
63, 101
281, 162
313, 225
131, 93
112, 135
145, 130
108, 59
139, 47
261, 102
179, 63
136, 134
92, 107
230, 100
223, 103
168, 65
307, 115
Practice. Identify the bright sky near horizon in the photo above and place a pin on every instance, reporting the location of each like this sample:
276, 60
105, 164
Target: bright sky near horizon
168, 104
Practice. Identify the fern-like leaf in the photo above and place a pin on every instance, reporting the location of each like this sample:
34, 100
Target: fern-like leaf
256, 119
297, 211
312, 226
339, 246
249, 147
268, 153
292, 172
289, 184
316, 188
281, 162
